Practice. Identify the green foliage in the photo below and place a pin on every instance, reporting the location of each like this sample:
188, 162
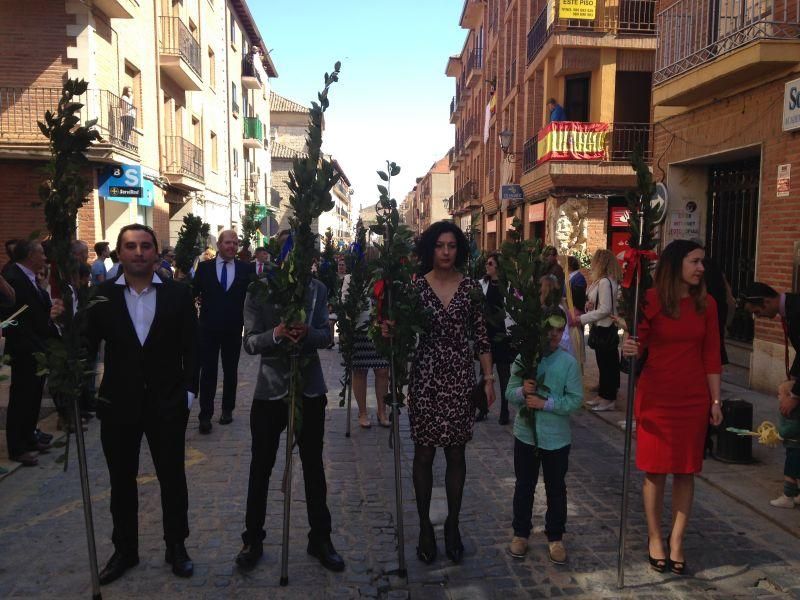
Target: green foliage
520, 271
583, 258
393, 286
63, 192
250, 222
192, 241
351, 305
640, 205
475, 267
310, 182
327, 268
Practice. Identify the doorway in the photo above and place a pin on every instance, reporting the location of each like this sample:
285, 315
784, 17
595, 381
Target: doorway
576, 97
732, 229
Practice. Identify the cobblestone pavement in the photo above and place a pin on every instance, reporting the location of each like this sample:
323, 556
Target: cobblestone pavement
732, 552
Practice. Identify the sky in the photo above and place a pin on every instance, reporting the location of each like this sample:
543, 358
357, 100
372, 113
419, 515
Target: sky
392, 101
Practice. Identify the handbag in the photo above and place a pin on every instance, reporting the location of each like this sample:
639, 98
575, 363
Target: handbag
478, 397
604, 338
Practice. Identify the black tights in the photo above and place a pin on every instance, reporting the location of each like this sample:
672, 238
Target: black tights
455, 475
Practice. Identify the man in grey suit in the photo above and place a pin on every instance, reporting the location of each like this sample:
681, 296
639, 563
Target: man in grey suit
264, 334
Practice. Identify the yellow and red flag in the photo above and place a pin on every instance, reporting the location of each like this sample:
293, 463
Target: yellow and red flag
573, 140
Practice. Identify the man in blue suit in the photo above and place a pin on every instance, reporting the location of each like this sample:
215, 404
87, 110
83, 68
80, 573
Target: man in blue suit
221, 286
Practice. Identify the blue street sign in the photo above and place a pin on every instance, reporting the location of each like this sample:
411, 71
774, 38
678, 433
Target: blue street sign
511, 192
120, 182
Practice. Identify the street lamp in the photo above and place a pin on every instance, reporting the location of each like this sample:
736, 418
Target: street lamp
505, 138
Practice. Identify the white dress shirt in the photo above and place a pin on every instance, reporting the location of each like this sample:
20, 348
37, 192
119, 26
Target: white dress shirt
231, 271
142, 310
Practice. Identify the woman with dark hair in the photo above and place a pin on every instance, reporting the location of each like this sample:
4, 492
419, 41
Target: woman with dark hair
678, 393
497, 324
442, 377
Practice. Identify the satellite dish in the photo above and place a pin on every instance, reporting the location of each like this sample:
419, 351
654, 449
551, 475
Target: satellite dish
659, 202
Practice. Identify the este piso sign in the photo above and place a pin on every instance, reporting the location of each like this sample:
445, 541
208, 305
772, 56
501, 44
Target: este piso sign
791, 106
577, 9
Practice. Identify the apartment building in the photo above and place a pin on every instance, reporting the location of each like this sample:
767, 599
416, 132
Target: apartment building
339, 219
726, 140
596, 60
431, 197
181, 102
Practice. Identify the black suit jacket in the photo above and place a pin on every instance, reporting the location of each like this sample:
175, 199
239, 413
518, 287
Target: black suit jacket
34, 326
150, 380
221, 310
792, 307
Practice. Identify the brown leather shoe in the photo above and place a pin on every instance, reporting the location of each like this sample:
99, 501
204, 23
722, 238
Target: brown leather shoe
28, 459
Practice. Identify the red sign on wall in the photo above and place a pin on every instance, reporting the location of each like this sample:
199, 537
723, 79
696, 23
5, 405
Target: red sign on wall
620, 216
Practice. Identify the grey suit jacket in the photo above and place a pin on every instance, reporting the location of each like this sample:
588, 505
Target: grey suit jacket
261, 318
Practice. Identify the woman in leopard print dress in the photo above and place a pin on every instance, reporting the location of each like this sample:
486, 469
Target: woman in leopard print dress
442, 376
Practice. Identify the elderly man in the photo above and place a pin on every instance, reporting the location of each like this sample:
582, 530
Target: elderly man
221, 285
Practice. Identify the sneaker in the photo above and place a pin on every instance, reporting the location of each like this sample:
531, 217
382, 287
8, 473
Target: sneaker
784, 501
518, 547
557, 553
594, 401
605, 405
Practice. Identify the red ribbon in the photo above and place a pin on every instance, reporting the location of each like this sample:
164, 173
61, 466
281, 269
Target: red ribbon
632, 264
377, 291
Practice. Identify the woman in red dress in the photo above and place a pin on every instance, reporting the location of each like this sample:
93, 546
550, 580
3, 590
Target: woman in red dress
678, 392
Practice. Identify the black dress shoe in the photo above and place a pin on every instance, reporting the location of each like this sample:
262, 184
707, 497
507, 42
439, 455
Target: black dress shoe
43, 437
248, 556
177, 556
426, 550
324, 551
37, 446
226, 418
452, 541
205, 427
117, 565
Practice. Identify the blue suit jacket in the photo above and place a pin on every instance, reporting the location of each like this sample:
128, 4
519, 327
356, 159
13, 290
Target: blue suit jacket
221, 310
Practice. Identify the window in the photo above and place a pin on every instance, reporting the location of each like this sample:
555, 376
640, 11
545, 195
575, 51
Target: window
133, 79
234, 99
235, 162
212, 69
197, 132
233, 30
214, 153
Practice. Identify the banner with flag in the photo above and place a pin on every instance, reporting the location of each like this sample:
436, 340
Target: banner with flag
572, 140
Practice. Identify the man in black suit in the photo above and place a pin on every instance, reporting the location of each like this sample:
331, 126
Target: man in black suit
221, 284
34, 327
149, 327
762, 300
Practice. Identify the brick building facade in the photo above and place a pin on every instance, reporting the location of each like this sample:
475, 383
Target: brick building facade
719, 147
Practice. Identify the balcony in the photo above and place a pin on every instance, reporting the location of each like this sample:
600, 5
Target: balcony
490, 181
183, 163
706, 48
617, 17
117, 9
474, 66
511, 76
179, 54
471, 14
470, 134
565, 153
453, 111
251, 74
21, 108
253, 133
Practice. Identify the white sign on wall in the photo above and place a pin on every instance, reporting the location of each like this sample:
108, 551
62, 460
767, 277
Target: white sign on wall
684, 224
791, 105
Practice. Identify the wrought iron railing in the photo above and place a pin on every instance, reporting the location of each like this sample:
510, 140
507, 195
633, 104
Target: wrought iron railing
620, 17
452, 106
475, 60
626, 138
249, 68
177, 40
490, 180
693, 32
21, 108
530, 154
183, 157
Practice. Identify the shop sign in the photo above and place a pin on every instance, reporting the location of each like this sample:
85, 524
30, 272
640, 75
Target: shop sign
577, 9
784, 180
684, 224
536, 212
620, 215
120, 182
511, 193
791, 105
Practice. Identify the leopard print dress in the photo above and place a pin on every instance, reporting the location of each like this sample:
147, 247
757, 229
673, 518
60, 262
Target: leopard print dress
443, 370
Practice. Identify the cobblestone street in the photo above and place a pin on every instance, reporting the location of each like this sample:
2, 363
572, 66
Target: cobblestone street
732, 552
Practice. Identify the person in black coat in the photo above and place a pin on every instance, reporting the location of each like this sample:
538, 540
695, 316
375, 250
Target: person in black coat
34, 327
149, 326
762, 300
221, 285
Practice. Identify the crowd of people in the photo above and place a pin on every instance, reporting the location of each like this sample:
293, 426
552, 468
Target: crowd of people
161, 341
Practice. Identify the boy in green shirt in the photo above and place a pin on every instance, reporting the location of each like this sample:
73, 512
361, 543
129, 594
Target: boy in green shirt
548, 448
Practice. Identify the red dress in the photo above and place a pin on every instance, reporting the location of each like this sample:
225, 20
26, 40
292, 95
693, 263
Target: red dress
672, 399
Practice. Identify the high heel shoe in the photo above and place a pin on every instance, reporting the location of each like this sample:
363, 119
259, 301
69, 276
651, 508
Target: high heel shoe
452, 541
426, 550
659, 565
